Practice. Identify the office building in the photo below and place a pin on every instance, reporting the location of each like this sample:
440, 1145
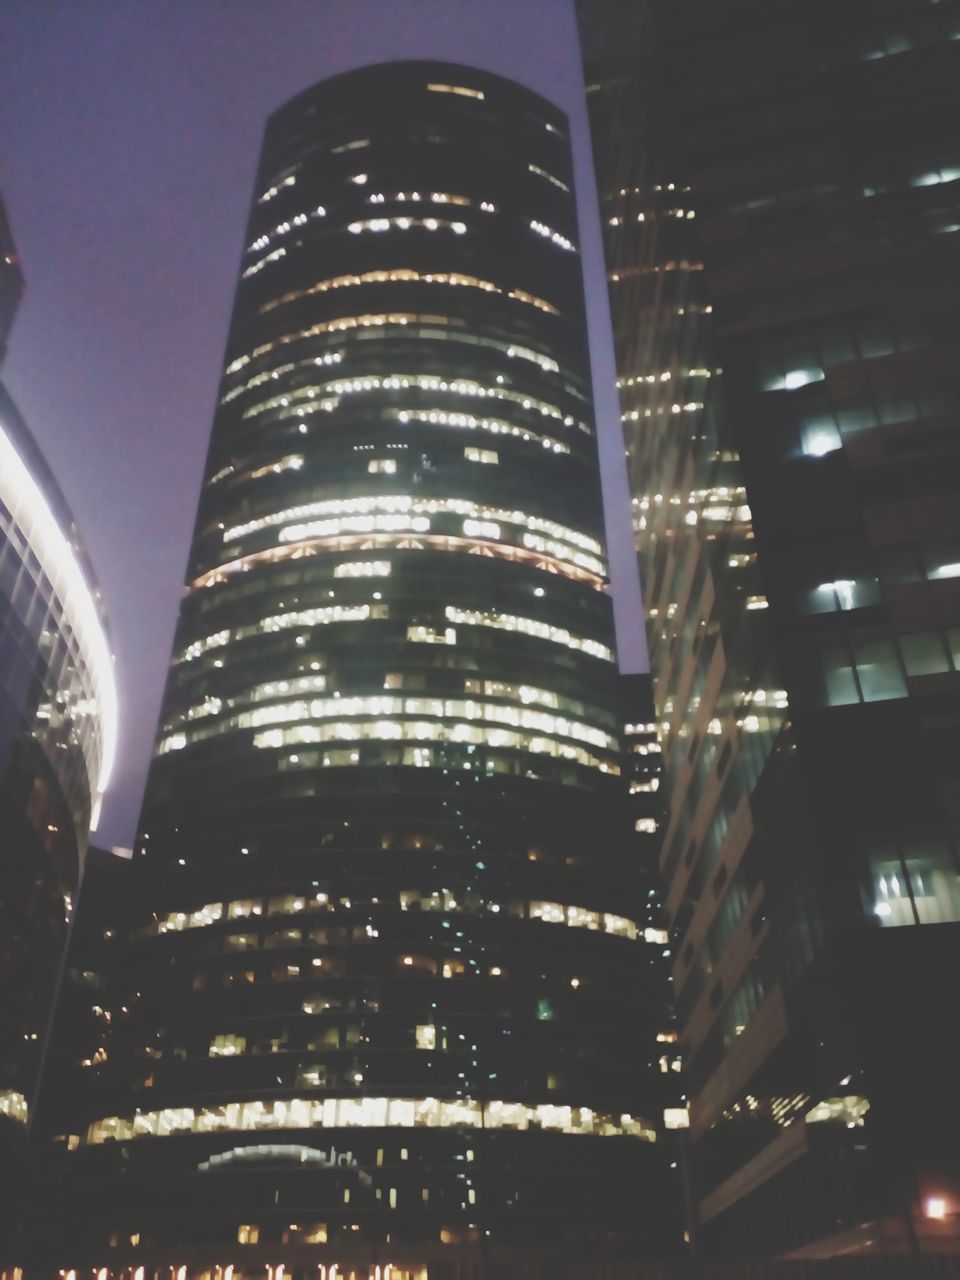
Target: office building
58, 717
391, 989
780, 194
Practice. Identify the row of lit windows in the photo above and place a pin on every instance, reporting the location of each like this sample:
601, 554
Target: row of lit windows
267, 375
331, 391
273, 256
416, 731
271, 192
263, 241
283, 228
320, 616
318, 529
410, 900
525, 694
440, 901
554, 181
383, 320
369, 541
404, 223
367, 1113
529, 627
13, 1105
467, 421
554, 237
432, 197
405, 275
403, 504
386, 705
870, 665
459, 89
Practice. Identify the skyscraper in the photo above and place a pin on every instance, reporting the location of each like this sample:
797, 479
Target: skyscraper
779, 189
390, 987
58, 723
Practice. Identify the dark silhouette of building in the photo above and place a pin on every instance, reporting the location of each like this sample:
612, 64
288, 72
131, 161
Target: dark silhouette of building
58, 718
780, 187
390, 986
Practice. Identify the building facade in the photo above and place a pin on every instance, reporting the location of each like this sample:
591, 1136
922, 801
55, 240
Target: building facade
390, 984
779, 188
11, 279
58, 716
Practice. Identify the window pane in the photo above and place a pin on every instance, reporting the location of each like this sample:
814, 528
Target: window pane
899, 564
856, 418
839, 685
878, 667
888, 886
924, 654
896, 408
941, 559
933, 881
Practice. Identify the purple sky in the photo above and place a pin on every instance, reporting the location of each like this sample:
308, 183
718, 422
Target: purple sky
129, 134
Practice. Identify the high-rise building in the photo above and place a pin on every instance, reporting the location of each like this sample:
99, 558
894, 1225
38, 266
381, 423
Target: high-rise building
780, 192
391, 988
58, 718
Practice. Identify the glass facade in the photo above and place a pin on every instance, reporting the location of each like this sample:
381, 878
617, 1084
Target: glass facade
778, 188
388, 975
57, 729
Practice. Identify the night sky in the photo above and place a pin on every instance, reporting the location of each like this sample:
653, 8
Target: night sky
129, 135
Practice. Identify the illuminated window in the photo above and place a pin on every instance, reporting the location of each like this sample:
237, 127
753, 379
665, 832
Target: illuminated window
459, 89
431, 635
248, 1235
404, 223
386, 466
363, 569
227, 1046
817, 441
842, 593
916, 885
542, 173
426, 1036
486, 455
848, 1111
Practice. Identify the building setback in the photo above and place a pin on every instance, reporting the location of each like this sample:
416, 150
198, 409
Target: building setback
391, 986
780, 187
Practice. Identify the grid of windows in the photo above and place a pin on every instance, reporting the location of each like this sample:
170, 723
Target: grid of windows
387, 863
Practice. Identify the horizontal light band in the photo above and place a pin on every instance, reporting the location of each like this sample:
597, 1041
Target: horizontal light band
388, 705
384, 320
367, 1113
440, 900
529, 627
329, 393
406, 275
399, 513
398, 542
424, 732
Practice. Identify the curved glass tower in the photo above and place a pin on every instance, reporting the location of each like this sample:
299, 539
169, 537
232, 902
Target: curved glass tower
58, 722
390, 994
